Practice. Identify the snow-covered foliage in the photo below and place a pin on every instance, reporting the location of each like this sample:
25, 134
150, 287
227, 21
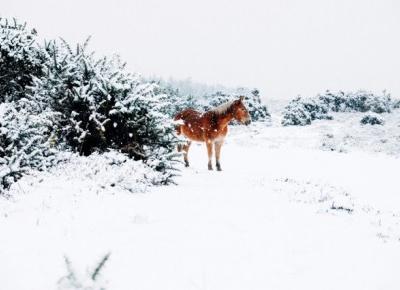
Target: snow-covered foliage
359, 101
19, 59
55, 97
396, 104
372, 119
276, 178
102, 105
112, 171
186, 94
302, 111
25, 141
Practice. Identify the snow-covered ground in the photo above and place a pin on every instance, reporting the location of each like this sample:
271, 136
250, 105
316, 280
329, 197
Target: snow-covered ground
315, 207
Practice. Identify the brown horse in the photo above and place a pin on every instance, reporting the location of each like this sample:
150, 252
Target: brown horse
210, 127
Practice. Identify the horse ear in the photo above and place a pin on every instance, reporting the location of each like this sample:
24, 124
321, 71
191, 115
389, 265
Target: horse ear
241, 98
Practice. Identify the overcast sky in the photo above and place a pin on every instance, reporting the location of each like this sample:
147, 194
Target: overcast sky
284, 47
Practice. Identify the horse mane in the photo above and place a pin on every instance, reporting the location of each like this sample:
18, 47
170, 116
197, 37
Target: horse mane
222, 109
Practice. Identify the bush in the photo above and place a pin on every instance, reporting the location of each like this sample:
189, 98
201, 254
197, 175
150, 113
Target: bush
258, 111
20, 59
25, 142
101, 106
372, 119
55, 98
396, 104
360, 101
303, 111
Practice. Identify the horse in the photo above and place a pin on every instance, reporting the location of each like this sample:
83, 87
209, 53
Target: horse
210, 127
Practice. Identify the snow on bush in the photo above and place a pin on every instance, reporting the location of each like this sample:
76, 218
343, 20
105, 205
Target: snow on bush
302, 111
56, 97
396, 104
372, 119
102, 106
111, 171
25, 142
19, 59
359, 101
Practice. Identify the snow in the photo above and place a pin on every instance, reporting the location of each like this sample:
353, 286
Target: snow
285, 213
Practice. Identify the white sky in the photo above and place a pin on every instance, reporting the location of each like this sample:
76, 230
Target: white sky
284, 47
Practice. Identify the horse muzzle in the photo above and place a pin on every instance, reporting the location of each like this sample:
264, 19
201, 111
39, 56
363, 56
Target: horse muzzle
247, 122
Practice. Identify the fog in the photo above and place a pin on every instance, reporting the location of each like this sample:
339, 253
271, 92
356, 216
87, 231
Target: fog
285, 48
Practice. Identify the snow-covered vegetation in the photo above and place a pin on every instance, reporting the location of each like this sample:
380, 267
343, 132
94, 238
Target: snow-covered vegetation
372, 119
286, 204
83, 144
302, 111
202, 97
56, 98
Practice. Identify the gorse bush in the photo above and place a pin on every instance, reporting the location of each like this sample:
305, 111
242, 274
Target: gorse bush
26, 128
20, 59
360, 101
65, 98
101, 106
25, 141
302, 111
372, 119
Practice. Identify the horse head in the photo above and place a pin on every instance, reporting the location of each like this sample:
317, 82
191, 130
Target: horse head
240, 112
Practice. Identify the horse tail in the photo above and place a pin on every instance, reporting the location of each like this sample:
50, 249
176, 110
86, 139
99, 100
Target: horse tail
178, 129
178, 117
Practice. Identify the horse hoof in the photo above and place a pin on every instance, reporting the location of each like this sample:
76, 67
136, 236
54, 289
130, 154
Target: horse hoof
219, 169
210, 168
186, 164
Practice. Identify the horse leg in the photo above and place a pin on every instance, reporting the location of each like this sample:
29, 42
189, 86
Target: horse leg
210, 152
218, 145
185, 149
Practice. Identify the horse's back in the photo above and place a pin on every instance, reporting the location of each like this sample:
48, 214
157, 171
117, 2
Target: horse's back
188, 115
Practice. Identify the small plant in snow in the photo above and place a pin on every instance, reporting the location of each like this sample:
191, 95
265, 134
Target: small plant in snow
92, 280
372, 119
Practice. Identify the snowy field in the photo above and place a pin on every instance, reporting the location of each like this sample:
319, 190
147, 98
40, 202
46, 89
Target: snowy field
315, 207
